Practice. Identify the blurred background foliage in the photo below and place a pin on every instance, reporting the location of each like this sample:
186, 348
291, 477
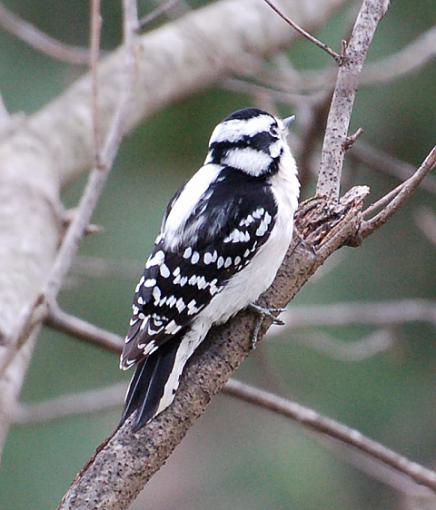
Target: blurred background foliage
235, 456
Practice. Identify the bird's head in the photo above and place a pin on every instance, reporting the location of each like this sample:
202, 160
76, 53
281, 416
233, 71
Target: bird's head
250, 140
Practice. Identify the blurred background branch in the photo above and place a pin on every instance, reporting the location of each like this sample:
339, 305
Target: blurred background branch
40, 41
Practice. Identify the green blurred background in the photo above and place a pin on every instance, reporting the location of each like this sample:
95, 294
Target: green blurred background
235, 456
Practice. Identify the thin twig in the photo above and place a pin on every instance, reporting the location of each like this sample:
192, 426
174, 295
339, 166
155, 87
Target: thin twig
99, 175
311, 38
156, 13
332, 156
406, 189
370, 156
385, 314
253, 89
376, 469
66, 323
107, 398
355, 351
312, 132
68, 216
312, 420
382, 314
384, 200
95, 34
409, 59
70, 405
41, 41
351, 139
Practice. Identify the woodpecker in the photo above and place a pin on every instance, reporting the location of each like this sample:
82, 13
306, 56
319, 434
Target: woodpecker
223, 237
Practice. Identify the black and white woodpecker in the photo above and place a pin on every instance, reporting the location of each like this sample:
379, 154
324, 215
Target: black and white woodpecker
223, 237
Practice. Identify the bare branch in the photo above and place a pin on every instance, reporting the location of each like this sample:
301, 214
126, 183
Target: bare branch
40, 41
355, 351
379, 160
70, 405
143, 453
324, 226
95, 34
376, 469
253, 89
156, 13
382, 314
311, 38
98, 400
66, 323
409, 59
91, 229
332, 156
402, 193
351, 139
312, 420
312, 132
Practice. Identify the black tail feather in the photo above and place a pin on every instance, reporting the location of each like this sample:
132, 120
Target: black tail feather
133, 393
148, 383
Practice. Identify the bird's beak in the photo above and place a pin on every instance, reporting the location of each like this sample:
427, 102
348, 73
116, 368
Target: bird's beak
288, 121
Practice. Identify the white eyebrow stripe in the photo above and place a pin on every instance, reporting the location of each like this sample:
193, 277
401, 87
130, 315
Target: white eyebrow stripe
235, 129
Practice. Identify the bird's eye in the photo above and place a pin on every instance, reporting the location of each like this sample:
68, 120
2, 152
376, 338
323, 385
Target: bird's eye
274, 130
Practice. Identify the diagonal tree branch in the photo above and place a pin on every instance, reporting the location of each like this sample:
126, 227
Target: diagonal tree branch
112, 396
400, 195
71, 325
379, 160
324, 227
309, 37
312, 420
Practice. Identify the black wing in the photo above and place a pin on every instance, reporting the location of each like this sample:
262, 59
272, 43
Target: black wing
220, 237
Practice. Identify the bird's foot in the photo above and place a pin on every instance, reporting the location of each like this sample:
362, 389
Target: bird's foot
262, 313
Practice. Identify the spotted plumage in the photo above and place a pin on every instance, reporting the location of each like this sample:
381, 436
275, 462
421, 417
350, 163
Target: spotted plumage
222, 239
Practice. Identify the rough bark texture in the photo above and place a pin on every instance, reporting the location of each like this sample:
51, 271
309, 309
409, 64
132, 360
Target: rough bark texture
126, 461
52, 147
338, 121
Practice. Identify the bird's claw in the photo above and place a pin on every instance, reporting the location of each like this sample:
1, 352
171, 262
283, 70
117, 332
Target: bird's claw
264, 312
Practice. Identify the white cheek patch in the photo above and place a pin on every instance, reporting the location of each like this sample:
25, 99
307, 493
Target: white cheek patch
249, 160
